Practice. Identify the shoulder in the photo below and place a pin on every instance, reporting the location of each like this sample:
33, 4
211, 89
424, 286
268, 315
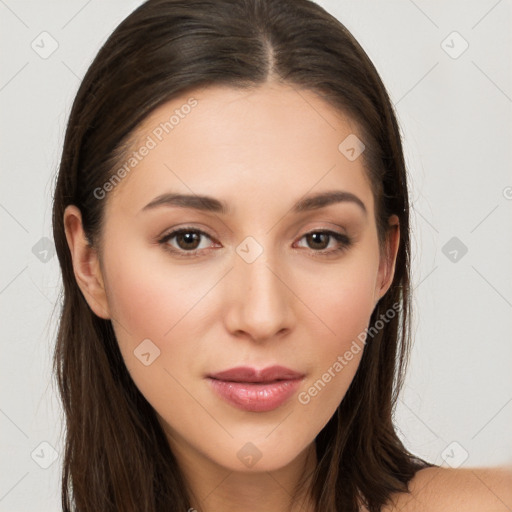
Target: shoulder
444, 489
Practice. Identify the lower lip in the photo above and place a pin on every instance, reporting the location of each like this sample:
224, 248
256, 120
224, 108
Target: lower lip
255, 397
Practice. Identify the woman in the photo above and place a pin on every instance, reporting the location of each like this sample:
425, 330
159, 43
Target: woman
258, 368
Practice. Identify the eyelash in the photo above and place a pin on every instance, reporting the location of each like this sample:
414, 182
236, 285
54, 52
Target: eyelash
344, 240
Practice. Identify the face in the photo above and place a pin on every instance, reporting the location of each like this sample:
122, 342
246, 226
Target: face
260, 275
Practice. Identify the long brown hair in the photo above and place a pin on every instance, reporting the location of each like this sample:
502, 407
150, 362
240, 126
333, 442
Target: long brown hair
117, 457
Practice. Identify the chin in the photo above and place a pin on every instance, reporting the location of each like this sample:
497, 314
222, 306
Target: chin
258, 455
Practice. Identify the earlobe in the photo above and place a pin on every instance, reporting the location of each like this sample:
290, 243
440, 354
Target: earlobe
388, 261
86, 264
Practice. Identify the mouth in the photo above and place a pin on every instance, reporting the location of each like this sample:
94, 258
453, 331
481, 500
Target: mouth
255, 390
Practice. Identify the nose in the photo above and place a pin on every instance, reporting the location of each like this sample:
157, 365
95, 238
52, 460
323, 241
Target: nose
259, 300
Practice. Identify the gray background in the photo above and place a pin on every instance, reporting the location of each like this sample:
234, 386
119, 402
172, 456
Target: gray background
454, 108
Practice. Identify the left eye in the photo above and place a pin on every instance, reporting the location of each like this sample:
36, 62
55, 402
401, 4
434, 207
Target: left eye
316, 238
187, 240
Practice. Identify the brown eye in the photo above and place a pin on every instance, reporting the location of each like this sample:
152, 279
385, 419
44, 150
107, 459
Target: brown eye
318, 241
187, 240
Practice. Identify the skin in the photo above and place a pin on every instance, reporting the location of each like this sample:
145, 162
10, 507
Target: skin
470, 489
213, 311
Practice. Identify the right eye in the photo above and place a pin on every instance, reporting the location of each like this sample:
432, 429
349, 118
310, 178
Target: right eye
187, 240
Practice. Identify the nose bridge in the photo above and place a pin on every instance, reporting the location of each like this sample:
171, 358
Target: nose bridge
259, 299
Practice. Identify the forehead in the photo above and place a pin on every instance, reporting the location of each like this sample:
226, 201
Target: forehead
265, 143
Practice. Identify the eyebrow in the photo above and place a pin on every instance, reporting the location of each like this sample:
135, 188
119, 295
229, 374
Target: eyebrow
211, 204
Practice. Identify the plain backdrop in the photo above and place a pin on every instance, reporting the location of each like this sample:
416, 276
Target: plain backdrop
447, 67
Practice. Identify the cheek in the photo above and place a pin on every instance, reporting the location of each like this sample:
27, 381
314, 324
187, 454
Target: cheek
148, 303
343, 304
150, 297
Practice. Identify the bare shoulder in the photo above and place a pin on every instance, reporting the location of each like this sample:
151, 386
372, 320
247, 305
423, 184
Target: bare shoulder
444, 489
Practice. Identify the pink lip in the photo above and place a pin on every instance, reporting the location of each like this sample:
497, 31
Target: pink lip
256, 390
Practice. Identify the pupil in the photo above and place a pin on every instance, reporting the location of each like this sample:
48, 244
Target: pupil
189, 238
316, 236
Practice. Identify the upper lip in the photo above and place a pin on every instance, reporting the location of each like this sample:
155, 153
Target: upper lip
248, 374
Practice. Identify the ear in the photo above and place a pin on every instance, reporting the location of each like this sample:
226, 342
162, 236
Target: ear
86, 263
388, 258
